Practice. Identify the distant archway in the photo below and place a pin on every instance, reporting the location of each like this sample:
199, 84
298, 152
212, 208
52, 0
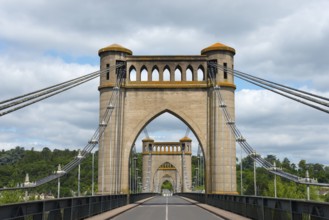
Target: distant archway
167, 185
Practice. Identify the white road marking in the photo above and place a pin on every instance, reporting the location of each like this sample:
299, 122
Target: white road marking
167, 208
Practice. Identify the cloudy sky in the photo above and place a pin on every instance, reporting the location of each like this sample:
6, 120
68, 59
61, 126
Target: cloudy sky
47, 42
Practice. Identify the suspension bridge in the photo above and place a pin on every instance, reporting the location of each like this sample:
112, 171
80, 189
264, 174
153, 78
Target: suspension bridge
126, 81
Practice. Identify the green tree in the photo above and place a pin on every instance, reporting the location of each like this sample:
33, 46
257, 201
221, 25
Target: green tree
286, 164
167, 185
302, 167
11, 196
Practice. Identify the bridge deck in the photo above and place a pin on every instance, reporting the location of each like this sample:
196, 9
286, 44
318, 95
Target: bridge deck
167, 208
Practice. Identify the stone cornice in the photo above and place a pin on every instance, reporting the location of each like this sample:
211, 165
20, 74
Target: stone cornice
166, 153
167, 85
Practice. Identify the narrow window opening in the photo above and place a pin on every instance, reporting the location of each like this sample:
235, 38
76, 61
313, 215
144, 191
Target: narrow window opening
200, 74
178, 75
132, 74
107, 71
166, 75
155, 75
144, 75
225, 70
189, 74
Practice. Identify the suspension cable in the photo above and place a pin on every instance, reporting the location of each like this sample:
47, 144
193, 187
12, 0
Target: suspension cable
284, 95
92, 142
98, 133
266, 84
44, 97
258, 82
26, 98
50, 87
281, 85
247, 148
46, 93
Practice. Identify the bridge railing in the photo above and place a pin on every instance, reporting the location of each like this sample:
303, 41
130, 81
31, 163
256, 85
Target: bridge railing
264, 207
67, 208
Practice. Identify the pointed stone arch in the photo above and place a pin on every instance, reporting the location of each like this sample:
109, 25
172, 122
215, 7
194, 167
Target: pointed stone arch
144, 73
189, 121
172, 174
166, 73
155, 74
178, 73
189, 73
132, 73
201, 73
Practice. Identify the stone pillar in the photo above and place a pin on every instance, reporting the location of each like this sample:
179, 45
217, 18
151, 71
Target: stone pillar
147, 183
221, 167
186, 147
111, 165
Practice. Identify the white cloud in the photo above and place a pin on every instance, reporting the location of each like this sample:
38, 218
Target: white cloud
43, 42
291, 48
59, 121
275, 125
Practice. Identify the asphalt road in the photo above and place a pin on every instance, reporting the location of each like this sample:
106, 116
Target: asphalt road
167, 208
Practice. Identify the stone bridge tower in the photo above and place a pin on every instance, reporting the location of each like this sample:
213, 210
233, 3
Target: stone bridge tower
167, 161
179, 85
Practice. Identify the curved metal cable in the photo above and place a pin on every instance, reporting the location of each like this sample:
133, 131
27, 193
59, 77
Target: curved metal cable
28, 98
278, 84
266, 84
46, 96
287, 96
95, 137
248, 149
50, 87
92, 143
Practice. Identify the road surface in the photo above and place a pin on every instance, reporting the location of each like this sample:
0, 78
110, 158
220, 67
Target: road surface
167, 208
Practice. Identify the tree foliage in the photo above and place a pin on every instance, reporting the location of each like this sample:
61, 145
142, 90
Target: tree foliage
285, 188
167, 185
16, 163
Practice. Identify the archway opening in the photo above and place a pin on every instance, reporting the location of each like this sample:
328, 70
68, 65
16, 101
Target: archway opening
166, 185
189, 74
201, 74
144, 74
178, 74
161, 133
132, 74
166, 74
155, 74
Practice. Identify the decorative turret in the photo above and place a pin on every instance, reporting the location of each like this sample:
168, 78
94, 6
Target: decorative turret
185, 139
27, 182
112, 56
115, 48
186, 144
59, 170
148, 139
27, 179
217, 47
221, 55
147, 144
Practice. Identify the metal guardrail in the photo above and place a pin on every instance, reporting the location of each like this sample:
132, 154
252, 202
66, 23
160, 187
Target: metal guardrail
264, 208
67, 208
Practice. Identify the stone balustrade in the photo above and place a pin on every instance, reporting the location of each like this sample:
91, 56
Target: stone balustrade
167, 148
